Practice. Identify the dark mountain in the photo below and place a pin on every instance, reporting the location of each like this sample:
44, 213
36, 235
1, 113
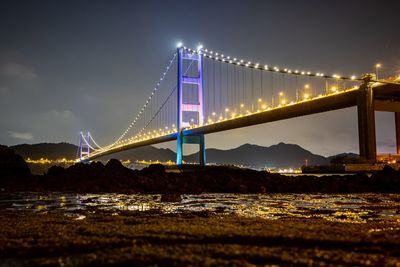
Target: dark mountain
280, 155
46, 150
69, 151
145, 153
349, 155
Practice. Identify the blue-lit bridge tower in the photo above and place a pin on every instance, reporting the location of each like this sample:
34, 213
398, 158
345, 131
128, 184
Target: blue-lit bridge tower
190, 112
84, 145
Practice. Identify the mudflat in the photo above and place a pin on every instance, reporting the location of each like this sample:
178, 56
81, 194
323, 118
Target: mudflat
151, 238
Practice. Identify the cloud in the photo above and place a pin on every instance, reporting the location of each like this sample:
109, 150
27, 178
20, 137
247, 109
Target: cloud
3, 90
62, 114
21, 136
18, 71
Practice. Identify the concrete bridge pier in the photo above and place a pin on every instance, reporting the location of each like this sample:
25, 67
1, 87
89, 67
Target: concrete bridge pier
191, 139
397, 125
366, 121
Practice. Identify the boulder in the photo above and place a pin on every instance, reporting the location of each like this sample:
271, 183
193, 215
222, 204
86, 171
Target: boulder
11, 164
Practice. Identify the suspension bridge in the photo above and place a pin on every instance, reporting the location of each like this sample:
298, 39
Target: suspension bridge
202, 91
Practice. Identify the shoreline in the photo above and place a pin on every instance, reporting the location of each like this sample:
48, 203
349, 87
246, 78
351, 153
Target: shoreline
96, 177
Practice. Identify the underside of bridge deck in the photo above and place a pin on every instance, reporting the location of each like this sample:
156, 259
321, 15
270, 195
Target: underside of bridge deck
367, 98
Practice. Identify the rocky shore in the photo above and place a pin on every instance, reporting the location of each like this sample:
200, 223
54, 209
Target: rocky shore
114, 177
97, 237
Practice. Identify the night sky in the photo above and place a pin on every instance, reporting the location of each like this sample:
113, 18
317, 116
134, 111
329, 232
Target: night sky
67, 66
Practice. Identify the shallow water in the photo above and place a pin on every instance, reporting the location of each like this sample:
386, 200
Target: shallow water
355, 208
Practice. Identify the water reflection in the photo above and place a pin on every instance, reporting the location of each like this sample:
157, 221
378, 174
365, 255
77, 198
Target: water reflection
354, 208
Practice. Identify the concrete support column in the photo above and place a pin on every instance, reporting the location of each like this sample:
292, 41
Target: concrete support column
366, 121
202, 151
179, 148
397, 123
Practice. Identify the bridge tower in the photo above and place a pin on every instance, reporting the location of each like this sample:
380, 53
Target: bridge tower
84, 145
190, 112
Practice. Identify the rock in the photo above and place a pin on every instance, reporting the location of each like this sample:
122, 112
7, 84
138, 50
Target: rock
114, 164
171, 197
157, 169
388, 170
11, 164
55, 170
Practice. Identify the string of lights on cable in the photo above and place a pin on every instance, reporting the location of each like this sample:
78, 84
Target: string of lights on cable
264, 67
132, 124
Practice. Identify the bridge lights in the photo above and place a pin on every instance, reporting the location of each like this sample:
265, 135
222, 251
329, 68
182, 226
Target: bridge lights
334, 89
264, 106
306, 96
353, 77
242, 105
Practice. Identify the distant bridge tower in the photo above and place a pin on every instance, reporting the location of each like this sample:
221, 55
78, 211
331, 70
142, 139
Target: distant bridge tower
84, 145
190, 112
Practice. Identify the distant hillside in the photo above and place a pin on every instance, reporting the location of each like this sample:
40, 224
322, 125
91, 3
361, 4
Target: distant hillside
280, 155
69, 151
145, 153
349, 155
46, 150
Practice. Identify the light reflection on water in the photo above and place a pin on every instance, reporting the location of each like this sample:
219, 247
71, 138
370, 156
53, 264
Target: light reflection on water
356, 208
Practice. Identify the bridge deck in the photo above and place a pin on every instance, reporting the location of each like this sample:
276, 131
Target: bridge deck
316, 105
387, 98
